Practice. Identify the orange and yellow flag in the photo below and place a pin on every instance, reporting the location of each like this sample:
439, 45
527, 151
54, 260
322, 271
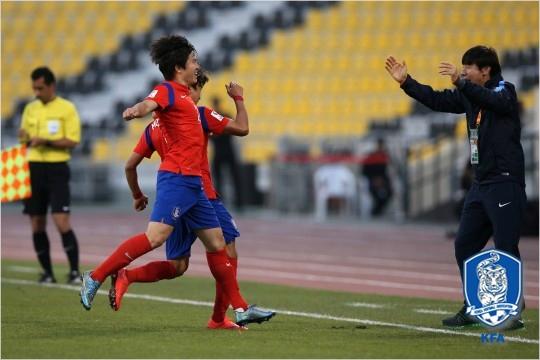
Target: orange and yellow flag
15, 174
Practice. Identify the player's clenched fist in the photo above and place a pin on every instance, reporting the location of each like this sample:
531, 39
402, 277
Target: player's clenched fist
129, 113
140, 203
234, 89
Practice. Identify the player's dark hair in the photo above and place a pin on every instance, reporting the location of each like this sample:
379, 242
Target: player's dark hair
482, 56
202, 78
170, 51
45, 73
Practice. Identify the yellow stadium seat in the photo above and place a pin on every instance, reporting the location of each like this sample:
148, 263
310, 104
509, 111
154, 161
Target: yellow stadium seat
323, 78
75, 30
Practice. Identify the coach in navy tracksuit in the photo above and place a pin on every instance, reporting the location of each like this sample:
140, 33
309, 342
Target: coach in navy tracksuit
495, 203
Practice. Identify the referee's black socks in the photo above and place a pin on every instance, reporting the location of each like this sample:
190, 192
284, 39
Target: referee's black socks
41, 245
72, 249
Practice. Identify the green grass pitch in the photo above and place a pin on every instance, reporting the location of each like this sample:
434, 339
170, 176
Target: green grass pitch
49, 322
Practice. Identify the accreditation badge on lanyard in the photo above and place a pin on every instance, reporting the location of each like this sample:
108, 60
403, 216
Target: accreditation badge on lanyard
473, 140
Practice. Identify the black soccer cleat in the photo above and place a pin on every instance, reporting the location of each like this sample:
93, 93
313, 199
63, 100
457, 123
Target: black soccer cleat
514, 324
74, 278
46, 278
461, 319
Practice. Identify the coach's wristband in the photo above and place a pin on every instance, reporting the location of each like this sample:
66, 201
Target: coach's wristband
238, 98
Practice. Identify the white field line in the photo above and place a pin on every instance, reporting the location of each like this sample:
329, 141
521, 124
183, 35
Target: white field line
282, 312
23, 269
365, 305
436, 312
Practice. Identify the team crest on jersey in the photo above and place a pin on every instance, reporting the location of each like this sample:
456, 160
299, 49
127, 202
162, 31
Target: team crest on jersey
155, 124
219, 117
176, 213
492, 286
152, 94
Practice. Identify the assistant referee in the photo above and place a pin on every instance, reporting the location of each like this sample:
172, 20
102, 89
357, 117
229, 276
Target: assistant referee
51, 128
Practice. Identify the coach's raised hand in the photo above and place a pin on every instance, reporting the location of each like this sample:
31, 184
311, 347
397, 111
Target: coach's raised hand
397, 70
447, 68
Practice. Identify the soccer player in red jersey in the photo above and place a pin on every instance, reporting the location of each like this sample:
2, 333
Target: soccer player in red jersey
178, 246
179, 193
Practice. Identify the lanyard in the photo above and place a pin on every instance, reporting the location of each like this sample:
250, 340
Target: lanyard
478, 118
473, 140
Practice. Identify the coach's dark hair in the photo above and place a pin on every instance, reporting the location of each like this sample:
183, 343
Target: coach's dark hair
482, 56
202, 78
170, 51
45, 73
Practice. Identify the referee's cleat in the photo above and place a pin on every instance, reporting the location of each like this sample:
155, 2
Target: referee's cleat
46, 278
89, 289
252, 315
461, 319
74, 278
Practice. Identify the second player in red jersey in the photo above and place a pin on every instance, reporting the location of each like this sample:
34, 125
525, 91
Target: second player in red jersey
179, 195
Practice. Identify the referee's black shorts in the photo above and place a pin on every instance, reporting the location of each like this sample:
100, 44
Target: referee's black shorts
50, 185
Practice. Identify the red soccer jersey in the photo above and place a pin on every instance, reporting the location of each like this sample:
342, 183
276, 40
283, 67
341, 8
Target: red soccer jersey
179, 118
154, 138
212, 124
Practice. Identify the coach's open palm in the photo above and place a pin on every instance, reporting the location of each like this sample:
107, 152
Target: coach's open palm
397, 70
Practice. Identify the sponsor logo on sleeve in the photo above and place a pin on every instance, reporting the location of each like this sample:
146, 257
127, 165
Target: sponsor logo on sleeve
216, 115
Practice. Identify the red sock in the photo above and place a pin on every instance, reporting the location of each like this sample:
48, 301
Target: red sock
224, 273
152, 272
125, 253
221, 302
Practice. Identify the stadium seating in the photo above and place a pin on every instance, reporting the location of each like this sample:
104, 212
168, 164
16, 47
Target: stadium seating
63, 36
310, 69
327, 77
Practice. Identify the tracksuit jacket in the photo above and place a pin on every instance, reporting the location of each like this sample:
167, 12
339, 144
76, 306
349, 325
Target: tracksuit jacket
499, 146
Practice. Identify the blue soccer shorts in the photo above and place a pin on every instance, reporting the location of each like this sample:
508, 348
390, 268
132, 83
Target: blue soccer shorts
228, 226
181, 203
182, 238
179, 243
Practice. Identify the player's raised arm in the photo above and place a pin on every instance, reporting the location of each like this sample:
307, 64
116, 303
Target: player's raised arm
139, 110
240, 125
